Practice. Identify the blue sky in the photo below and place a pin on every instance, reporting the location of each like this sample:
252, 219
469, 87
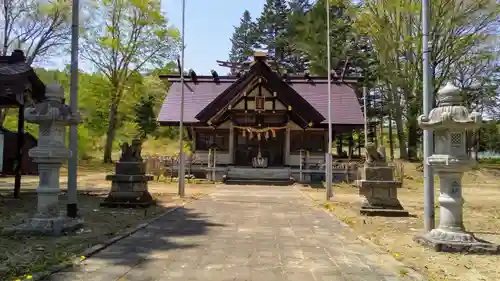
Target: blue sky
209, 26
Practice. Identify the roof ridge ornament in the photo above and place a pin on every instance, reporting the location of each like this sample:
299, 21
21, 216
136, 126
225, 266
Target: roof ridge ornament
259, 56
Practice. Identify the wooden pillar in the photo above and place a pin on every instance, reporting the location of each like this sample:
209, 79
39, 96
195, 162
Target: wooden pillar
351, 144
287, 146
339, 144
20, 147
231, 143
326, 141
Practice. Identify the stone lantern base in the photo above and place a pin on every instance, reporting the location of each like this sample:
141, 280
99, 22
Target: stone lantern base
455, 241
129, 186
45, 226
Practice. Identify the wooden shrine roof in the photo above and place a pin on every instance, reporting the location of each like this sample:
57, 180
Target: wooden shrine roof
201, 91
16, 77
302, 112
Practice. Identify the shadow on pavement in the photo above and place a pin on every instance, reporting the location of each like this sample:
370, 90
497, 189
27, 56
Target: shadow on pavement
181, 229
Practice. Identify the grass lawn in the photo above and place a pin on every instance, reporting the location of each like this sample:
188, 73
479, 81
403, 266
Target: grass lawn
481, 215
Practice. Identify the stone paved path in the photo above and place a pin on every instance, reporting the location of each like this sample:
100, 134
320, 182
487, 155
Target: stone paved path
239, 233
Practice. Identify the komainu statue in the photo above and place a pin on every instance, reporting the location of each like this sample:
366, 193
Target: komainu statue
374, 157
132, 152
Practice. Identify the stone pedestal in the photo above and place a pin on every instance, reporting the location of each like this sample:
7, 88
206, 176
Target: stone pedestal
449, 122
379, 191
129, 184
451, 236
52, 116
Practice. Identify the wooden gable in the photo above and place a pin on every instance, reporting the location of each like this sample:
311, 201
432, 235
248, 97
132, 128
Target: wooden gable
259, 94
261, 81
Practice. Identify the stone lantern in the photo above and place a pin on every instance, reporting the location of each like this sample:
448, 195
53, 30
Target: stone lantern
449, 122
52, 116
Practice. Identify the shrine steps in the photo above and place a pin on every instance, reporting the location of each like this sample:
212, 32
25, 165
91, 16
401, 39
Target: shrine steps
258, 176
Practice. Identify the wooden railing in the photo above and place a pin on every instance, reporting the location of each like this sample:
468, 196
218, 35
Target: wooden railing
168, 166
348, 168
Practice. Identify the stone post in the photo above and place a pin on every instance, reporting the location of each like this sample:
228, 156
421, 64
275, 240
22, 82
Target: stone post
449, 122
129, 184
52, 116
378, 189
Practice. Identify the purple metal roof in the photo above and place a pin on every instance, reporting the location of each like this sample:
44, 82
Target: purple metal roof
345, 105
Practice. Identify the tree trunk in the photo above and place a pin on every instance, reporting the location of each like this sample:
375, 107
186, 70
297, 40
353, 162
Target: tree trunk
391, 143
412, 139
111, 133
412, 126
398, 118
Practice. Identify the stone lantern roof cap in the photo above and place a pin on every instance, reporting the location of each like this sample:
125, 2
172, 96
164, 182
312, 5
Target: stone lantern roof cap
54, 90
449, 95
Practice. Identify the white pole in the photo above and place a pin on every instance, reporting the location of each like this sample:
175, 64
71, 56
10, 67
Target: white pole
181, 121
366, 117
329, 156
72, 205
429, 214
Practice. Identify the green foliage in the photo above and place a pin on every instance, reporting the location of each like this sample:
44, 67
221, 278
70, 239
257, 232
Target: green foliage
243, 39
271, 29
346, 44
490, 137
145, 116
122, 40
40, 28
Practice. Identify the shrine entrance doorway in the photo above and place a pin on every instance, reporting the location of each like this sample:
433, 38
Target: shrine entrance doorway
247, 147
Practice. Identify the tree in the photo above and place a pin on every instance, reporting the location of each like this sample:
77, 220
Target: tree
243, 39
394, 29
271, 31
349, 51
40, 28
489, 137
145, 116
478, 74
297, 58
123, 38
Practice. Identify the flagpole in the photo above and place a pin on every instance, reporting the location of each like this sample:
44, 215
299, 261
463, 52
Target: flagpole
181, 125
72, 205
366, 117
329, 155
429, 213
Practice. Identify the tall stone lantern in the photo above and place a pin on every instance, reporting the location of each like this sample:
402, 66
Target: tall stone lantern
52, 116
449, 121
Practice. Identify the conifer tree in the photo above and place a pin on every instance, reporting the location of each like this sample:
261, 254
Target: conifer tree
297, 59
243, 40
271, 29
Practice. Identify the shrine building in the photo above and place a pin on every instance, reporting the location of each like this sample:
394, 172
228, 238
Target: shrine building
260, 121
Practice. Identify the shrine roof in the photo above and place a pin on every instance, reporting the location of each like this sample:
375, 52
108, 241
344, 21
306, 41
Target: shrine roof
15, 73
200, 91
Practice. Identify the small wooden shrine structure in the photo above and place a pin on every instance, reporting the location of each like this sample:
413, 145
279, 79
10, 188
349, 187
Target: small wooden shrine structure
19, 86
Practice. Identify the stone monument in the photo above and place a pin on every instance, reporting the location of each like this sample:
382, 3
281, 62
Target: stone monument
449, 122
377, 187
52, 116
129, 184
